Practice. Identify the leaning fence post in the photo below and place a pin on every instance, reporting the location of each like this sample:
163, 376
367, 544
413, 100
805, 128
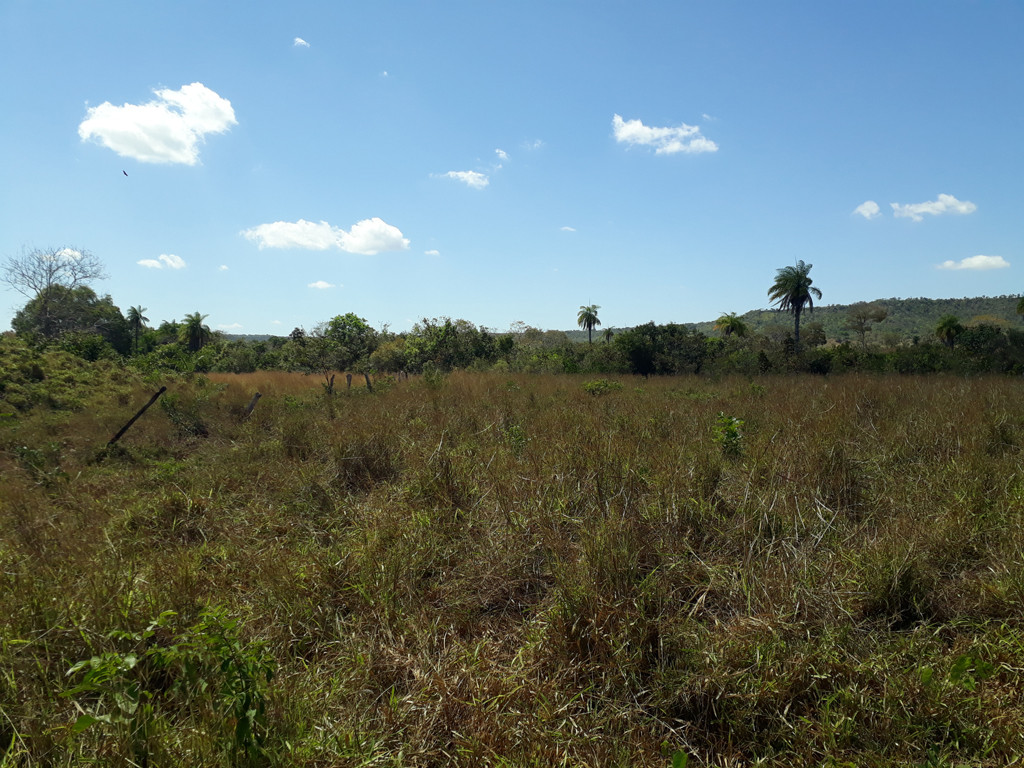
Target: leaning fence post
348, 378
369, 386
133, 419
251, 406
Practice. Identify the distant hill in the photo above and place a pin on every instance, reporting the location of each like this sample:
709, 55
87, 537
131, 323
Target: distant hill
250, 337
907, 317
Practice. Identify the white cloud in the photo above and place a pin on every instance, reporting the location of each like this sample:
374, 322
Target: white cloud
367, 237
944, 204
568, 229
371, 236
502, 154
320, 285
469, 178
976, 262
166, 130
222, 268
384, 73
666, 141
67, 254
300, 43
868, 209
230, 326
533, 145
165, 259
275, 322
432, 252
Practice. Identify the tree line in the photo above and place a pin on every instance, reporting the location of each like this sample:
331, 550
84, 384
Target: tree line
62, 309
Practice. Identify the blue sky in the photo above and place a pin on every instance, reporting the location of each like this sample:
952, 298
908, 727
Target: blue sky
511, 161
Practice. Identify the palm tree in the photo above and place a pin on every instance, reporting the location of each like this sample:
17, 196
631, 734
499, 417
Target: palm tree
792, 290
608, 334
136, 321
729, 324
587, 319
193, 333
948, 329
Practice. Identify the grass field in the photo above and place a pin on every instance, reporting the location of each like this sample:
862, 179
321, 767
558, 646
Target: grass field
516, 571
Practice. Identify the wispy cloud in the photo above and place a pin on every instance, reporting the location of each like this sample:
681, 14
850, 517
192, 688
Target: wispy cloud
868, 209
502, 155
230, 326
367, 237
976, 262
168, 129
665, 141
944, 204
321, 285
471, 179
222, 268
300, 43
568, 229
168, 260
432, 252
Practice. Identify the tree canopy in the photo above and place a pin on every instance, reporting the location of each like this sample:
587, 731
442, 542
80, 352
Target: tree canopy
792, 291
587, 319
46, 276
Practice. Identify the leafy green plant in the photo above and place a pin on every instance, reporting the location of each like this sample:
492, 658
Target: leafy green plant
136, 693
727, 432
600, 387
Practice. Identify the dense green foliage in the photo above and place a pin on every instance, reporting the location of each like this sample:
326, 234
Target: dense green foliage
510, 570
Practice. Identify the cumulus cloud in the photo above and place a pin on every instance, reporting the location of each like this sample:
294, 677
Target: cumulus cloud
868, 209
976, 262
469, 178
666, 141
944, 204
320, 285
168, 129
367, 237
168, 260
300, 43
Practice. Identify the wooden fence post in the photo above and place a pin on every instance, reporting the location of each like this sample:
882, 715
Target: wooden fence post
251, 406
133, 419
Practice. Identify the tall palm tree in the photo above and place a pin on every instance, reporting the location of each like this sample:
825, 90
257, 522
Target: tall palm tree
729, 325
193, 333
608, 334
948, 329
136, 321
792, 291
587, 319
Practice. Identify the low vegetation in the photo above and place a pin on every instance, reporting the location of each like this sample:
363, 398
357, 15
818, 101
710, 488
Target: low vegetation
509, 570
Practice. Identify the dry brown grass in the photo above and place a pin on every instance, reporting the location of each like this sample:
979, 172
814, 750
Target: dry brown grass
507, 570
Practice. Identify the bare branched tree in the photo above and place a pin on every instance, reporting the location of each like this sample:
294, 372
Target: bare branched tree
36, 274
